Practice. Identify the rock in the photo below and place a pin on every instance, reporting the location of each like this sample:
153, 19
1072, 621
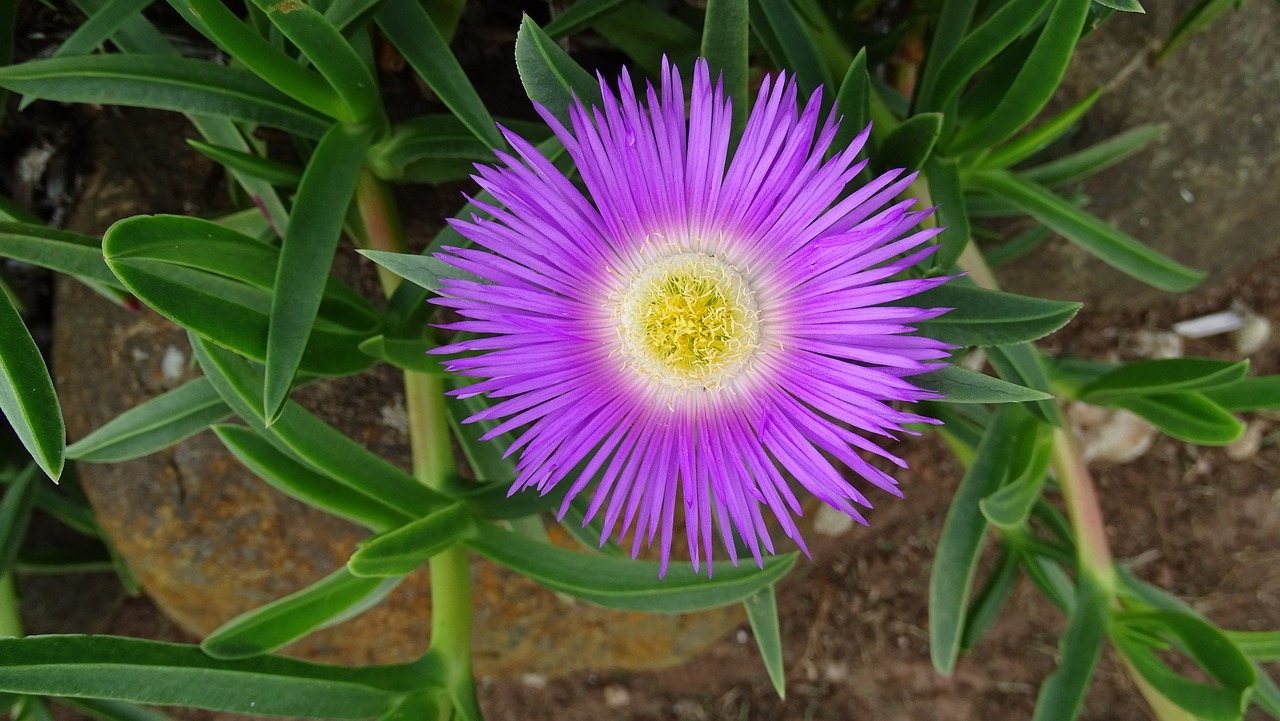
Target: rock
208, 540
1200, 193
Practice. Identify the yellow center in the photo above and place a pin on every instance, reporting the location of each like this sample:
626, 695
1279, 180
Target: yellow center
688, 321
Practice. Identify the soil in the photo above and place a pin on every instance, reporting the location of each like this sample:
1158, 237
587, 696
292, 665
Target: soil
854, 622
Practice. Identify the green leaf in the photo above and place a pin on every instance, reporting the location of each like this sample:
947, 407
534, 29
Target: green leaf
330, 600
404, 549
1023, 364
219, 283
408, 27
429, 139
1164, 375
790, 43
100, 26
331, 54
956, 561
1097, 157
981, 46
1062, 695
961, 385
311, 440
1257, 645
943, 177
853, 102
214, 20
307, 254
726, 36
1200, 16
151, 672
1019, 149
27, 398
647, 34
15, 511
1133, 633
981, 317
910, 144
425, 271
407, 353
1035, 83
153, 425
298, 481
762, 612
1124, 6
1188, 416
579, 16
948, 31
990, 600
274, 172
1009, 507
111, 710
60, 250
164, 82
550, 77
1248, 394
1119, 250
622, 583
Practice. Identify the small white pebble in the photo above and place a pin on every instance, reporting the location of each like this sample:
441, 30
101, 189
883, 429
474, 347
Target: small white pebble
616, 696
1207, 325
534, 680
1187, 195
742, 636
1253, 335
173, 363
1249, 442
830, 522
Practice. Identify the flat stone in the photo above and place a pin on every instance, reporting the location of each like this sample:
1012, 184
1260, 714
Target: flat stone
1204, 193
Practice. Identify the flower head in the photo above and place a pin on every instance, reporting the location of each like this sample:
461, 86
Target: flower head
700, 328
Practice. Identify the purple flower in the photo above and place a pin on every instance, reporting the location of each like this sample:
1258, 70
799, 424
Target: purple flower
700, 329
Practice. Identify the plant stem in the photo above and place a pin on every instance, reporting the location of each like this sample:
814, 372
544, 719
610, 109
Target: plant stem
431, 448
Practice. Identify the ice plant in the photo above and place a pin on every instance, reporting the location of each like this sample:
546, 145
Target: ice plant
701, 328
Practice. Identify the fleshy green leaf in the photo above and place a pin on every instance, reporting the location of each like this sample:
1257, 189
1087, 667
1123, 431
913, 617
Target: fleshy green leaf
1257, 645
408, 26
406, 353
1186, 416
990, 600
218, 283
983, 317
550, 77
429, 139
726, 35
1119, 250
1200, 16
1062, 695
790, 43
1124, 6
910, 144
153, 425
1094, 158
1009, 507
853, 102
111, 710
943, 177
331, 54
1036, 80
1164, 375
961, 385
579, 16
307, 254
982, 45
164, 82
762, 612
15, 511
330, 600
647, 34
423, 270
151, 672
1021, 148
956, 561
403, 550
1022, 363
311, 440
953, 20
61, 250
1133, 632
99, 26
622, 583
298, 481
27, 398
274, 172
1248, 394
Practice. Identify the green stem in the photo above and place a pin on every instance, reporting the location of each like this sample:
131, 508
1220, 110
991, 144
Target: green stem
432, 451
